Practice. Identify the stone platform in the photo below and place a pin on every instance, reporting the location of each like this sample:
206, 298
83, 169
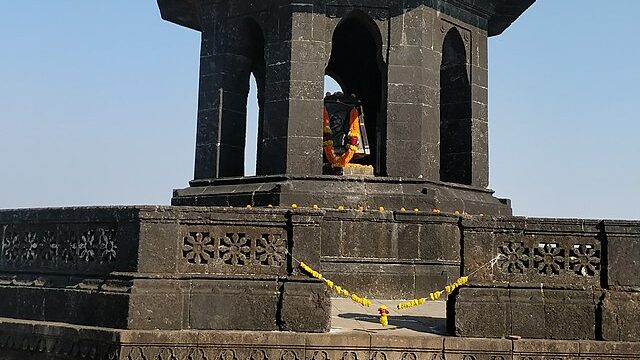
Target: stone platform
330, 191
205, 269
355, 335
119, 267
162, 268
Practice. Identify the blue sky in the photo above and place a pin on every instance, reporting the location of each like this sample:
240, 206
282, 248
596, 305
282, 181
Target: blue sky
98, 105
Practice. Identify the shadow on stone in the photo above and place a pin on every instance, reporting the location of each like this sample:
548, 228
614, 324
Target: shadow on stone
423, 324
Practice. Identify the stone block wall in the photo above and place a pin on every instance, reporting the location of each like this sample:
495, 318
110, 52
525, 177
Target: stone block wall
162, 268
554, 279
390, 255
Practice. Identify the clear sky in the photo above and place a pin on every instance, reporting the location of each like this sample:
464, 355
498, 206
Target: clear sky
98, 104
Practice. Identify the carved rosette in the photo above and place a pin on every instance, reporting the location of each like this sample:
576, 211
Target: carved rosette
242, 250
561, 259
61, 246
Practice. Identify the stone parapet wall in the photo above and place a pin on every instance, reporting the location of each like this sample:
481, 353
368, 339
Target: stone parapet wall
390, 255
163, 268
120, 267
553, 279
40, 341
168, 240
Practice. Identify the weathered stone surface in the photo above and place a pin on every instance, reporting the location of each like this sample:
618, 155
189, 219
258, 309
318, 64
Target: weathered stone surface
390, 254
570, 314
482, 312
621, 316
305, 307
623, 254
406, 347
530, 313
254, 305
461, 349
543, 349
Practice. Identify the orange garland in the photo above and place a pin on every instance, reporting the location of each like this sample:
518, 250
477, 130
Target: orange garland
354, 133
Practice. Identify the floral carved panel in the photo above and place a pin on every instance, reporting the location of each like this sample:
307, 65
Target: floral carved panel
59, 246
226, 250
549, 259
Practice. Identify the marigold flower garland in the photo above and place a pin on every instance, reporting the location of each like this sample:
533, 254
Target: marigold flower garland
353, 138
434, 295
383, 310
343, 292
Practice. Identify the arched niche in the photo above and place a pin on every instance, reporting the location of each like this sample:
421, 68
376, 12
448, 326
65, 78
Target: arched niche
356, 64
455, 111
252, 66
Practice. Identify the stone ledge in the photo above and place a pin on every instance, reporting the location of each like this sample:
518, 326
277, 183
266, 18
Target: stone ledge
352, 192
27, 340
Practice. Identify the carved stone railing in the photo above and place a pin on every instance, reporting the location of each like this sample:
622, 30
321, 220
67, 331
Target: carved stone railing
236, 251
65, 248
123, 267
552, 278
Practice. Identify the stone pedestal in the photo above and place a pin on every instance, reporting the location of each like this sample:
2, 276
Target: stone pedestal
328, 191
352, 170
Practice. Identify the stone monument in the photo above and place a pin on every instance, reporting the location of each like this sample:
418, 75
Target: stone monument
216, 275
424, 94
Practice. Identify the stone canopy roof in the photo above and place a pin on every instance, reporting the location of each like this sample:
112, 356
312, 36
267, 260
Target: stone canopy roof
500, 13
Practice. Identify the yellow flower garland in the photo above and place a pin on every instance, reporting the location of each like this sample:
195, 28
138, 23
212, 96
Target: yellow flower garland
434, 295
343, 292
382, 310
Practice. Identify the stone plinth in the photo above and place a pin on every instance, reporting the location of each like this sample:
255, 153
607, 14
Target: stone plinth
351, 192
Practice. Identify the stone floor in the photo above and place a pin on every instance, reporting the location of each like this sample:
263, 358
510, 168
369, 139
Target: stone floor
427, 319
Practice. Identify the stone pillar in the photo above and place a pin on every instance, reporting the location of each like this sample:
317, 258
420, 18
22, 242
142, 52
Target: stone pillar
292, 135
295, 62
479, 75
222, 103
411, 97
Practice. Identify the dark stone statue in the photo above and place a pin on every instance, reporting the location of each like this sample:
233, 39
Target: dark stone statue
339, 106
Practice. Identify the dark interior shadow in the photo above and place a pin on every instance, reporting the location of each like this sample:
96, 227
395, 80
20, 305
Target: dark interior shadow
424, 324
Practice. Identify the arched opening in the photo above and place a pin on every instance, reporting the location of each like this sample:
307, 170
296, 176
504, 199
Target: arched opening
331, 85
356, 64
253, 71
253, 121
455, 111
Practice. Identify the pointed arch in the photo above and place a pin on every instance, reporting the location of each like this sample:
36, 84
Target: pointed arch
356, 63
455, 111
251, 47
